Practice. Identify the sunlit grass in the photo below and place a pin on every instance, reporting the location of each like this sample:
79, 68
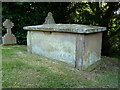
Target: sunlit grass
22, 69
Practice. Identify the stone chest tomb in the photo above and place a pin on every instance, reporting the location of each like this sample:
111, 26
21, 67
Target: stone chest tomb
76, 44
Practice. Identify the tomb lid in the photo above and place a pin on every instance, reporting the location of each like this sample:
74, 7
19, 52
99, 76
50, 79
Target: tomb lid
71, 28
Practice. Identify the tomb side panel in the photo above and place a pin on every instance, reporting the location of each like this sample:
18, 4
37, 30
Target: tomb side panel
92, 48
56, 45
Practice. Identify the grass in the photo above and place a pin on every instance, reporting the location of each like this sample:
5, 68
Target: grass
22, 69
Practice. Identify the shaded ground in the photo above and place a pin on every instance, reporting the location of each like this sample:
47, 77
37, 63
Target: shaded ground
22, 69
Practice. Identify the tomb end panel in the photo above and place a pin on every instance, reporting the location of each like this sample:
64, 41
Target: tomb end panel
61, 46
92, 51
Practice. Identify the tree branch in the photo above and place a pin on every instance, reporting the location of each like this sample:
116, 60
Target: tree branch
91, 6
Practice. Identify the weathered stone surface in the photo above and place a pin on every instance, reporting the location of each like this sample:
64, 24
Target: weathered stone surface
88, 49
8, 24
78, 45
56, 45
49, 19
0, 35
8, 38
79, 50
71, 28
92, 52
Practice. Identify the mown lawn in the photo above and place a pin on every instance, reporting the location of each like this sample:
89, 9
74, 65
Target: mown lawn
22, 69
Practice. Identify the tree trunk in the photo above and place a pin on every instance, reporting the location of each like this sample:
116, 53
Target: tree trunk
106, 46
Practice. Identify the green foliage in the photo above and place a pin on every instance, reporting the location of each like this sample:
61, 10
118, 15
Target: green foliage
100, 14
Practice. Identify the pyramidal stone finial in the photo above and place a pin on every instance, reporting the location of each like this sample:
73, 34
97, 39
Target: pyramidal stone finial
49, 19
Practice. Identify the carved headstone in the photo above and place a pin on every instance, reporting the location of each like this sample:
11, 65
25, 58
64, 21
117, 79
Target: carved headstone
8, 38
49, 19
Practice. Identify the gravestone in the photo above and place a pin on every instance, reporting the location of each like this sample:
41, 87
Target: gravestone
8, 38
